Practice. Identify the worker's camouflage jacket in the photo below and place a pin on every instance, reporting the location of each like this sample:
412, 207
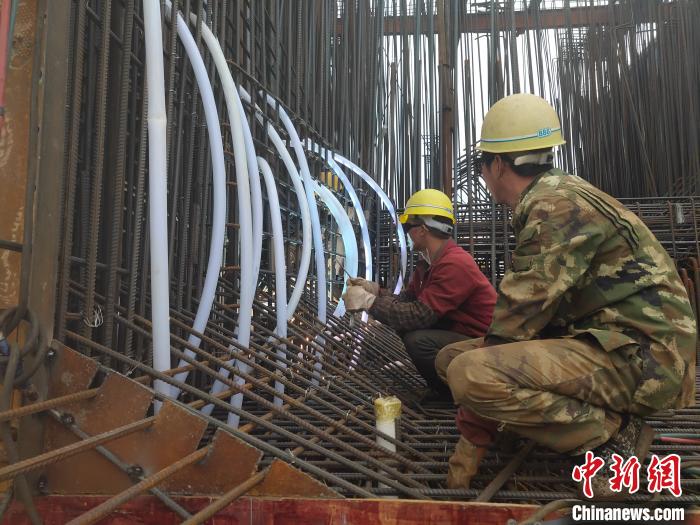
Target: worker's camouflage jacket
585, 266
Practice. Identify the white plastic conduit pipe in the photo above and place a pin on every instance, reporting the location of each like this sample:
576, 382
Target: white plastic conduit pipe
257, 211
157, 190
319, 255
349, 243
219, 190
392, 211
280, 266
327, 156
302, 273
386, 411
346, 233
306, 244
300, 283
233, 108
255, 194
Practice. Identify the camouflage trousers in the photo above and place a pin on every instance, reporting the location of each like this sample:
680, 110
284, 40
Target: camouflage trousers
565, 394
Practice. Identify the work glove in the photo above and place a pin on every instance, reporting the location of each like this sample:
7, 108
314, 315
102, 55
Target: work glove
357, 298
369, 286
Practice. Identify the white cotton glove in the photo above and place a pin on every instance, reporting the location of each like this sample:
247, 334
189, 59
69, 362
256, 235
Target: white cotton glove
357, 298
369, 286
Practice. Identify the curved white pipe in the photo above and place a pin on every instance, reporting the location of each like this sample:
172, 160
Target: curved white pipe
346, 233
255, 195
307, 226
299, 189
280, 266
319, 255
251, 284
392, 211
300, 283
361, 219
216, 148
232, 105
158, 190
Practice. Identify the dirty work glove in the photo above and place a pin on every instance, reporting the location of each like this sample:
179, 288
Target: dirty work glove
369, 286
357, 298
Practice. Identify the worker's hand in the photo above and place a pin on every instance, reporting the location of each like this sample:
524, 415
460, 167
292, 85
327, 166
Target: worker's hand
369, 286
357, 298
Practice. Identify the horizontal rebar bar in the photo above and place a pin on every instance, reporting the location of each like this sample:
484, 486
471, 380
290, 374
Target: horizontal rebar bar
47, 404
70, 450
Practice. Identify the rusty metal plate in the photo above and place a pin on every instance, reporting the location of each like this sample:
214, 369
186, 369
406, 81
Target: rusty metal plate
119, 401
70, 371
230, 463
175, 434
283, 481
15, 147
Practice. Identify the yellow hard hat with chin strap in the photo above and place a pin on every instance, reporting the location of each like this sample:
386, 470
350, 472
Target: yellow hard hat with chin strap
428, 203
521, 122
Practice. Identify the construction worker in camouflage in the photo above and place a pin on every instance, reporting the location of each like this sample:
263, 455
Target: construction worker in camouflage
592, 330
447, 299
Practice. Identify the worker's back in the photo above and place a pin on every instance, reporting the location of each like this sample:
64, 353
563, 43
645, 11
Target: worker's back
456, 290
607, 276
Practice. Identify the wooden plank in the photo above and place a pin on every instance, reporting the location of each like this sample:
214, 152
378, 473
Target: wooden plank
147, 510
540, 18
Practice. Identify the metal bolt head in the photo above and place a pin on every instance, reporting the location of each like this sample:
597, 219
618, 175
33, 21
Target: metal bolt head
134, 472
30, 394
51, 354
42, 485
67, 418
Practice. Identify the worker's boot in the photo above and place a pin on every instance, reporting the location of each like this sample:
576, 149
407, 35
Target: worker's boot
633, 439
464, 463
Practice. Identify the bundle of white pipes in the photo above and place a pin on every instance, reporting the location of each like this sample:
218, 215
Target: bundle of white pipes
250, 205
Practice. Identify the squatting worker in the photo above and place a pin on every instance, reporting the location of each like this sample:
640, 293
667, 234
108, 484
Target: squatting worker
447, 299
592, 330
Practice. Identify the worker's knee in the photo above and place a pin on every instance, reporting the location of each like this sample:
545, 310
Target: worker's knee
450, 352
414, 343
443, 360
476, 379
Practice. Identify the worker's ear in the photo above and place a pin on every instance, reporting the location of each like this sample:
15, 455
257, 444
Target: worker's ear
499, 168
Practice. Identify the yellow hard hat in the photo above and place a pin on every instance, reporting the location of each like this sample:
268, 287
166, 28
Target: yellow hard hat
521, 122
428, 202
